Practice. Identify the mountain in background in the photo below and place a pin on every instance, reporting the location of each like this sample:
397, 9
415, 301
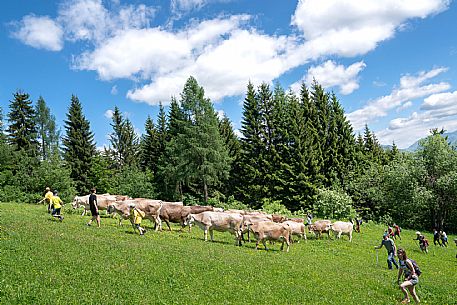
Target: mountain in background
451, 137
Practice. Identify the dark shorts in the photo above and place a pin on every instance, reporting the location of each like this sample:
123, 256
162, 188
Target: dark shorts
94, 212
55, 212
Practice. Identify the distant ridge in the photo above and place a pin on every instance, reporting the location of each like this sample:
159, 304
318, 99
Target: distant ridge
451, 137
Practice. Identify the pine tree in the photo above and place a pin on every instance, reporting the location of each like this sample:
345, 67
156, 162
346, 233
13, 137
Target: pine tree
249, 178
150, 147
2, 135
79, 146
169, 178
202, 156
232, 144
124, 141
47, 133
22, 130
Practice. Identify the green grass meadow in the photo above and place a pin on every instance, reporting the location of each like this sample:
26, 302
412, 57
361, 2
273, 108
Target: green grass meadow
44, 261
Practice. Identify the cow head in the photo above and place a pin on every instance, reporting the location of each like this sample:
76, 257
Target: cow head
189, 220
77, 202
110, 209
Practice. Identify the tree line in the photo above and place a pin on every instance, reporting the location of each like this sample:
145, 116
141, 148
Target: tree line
296, 153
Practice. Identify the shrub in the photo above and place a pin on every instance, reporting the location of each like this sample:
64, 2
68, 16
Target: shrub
274, 207
333, 204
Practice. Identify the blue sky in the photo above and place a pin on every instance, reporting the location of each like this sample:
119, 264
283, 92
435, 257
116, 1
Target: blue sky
392, 63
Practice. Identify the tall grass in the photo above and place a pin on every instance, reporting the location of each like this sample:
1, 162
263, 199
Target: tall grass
44, 261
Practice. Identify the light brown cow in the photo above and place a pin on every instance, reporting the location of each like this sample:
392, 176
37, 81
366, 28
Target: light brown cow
122, 208
268, 230
177, 213
152, 209
341, 227
296, 228
217, 221
278, 218
103, 201
249, 220
319, 227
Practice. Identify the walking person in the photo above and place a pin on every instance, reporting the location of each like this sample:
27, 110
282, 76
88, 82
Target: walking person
56, 206
391, 250
423, 242
443, 238
397, 231
93, 204
436, 237
137, 216
411, 277
47, 198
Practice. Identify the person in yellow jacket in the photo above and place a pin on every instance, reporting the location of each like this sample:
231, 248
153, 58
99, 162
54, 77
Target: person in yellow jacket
47, 198
136, 218
56, 206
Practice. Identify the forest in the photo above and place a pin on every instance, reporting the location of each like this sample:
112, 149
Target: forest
296, 153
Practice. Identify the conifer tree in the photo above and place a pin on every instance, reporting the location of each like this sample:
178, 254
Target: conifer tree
150, 147
124, 141
249, 179
202, 156
22, 129
232, 144
2, 135
79, 146
47, 133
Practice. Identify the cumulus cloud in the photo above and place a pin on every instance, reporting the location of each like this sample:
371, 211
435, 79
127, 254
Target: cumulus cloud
330, 74
223, 53
411, 88
349, 28
436, 111
40, 32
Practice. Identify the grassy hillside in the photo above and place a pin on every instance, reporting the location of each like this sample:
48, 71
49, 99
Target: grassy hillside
43, 261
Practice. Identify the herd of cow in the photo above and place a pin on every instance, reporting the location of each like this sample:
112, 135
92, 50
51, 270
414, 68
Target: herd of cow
237, 222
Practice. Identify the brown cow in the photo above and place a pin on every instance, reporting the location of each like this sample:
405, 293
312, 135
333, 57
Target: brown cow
150, 207
278, 218
320, 226
249, 220
177, 214
268, 230
103, 201
217, 221
296, 228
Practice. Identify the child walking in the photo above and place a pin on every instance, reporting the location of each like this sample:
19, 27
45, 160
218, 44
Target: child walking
56, 206
137, 216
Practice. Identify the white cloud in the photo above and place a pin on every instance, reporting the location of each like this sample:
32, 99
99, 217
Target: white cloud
440, 112
109, 114
40, 32
220, 114
411, 87
90, 20
354, 27
329, 74
114, 90
186, 5
224, 53
406, 105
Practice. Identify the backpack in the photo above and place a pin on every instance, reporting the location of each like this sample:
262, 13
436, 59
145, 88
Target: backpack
415, 266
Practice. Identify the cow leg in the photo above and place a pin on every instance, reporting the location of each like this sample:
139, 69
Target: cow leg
339, 235
168, 224
158, 223
206, 234
84, 212
211, 232
350, 236
265, 244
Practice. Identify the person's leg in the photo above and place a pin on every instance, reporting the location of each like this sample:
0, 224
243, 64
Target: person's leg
389, 260
98, 221
394, 261
412, 291
403, 288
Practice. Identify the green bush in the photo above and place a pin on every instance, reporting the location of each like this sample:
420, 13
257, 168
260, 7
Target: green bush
274, 207
333, 204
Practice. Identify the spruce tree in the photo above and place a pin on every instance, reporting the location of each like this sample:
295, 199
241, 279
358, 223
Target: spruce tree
22, 129
2, 135
202, 157
249, 179
150, 147
79, 146
232, 144
47, 133
124, 141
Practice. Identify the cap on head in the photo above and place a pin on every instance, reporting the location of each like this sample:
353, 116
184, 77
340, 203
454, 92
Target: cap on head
48, 189
92, 190
418, 233
55, 192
